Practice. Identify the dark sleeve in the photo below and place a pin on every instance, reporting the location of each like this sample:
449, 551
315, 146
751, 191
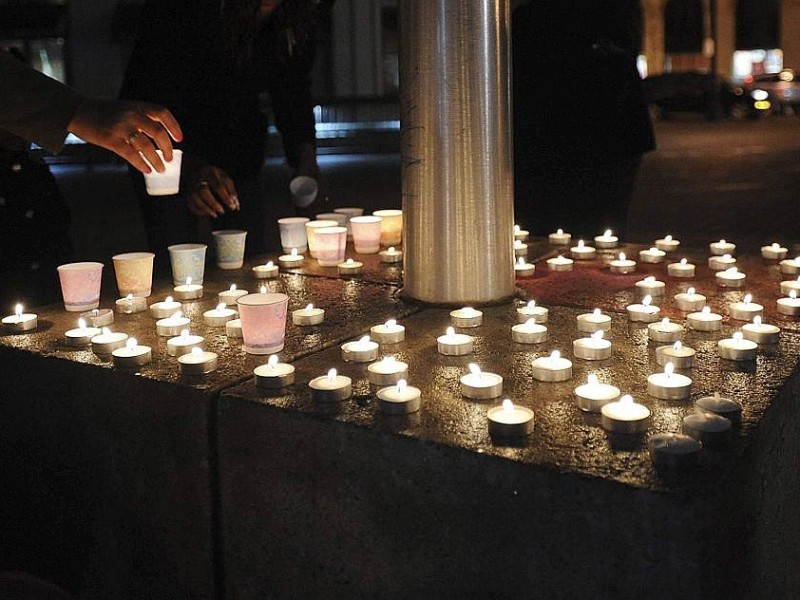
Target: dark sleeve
33, 106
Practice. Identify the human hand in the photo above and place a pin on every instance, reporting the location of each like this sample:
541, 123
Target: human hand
118, 126
211, 192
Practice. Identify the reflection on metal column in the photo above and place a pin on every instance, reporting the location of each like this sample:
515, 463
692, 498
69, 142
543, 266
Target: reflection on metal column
456, 150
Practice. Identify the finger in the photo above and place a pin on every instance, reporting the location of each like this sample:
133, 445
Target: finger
167, 120
207, 195
228, 193
146, 149
150, 130
126, 151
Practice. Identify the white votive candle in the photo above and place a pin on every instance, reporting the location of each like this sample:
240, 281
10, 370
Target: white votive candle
690, 300
730, 278
165, 308
713, 431
391, 256
737, 348
510, 420
99, 317
552, 368
789, 306
188, 290
682, 357
360, 351
107, 341
761, 333
390, 332
478, 385
183, 343
80, 336
593, 395
466, 317
387, 371
217, 317
273, 375
454, 344
400, 399
593, 347
622, 265
197, 362
593, 321
722, 247
131, 355
233, 329
231, 295
722, 406
643, 312
667, 244
582, 251
269, 270
310, 315
791, 285
560, 238
607, 240
20, 321
350, 267
531, 310
651, 286
529, 332
673, 450
705, 320
669, 385
665, 331
625, 416
746, 309
560, 263
292, 260
523, 268
720, 263
131, 304
331, 387
682, 268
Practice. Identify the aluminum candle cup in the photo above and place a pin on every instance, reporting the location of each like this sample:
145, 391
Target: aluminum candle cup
331, 387
292, 260
558, 238
188, 290
730, 278
165, 308
559, 263
704, 320
650, 286
737, 348
263, 322
665, 331
268, 270
622, 265
197, 362
593, 321
80, 285
131, 355
761, 333
606, 241
722, 247
667, 244
625, 416
719, 405
652, 255
391, 226
745, 310
360, 351
130, 304
105, 342
99, 317
172, 325
184, 343
582, 252
673, 450
593, 395
350, 267
510, 420
233, 329
592, 348
690, 300
187, 261
720, 263
308, 316
529, 332
219, 316
713, 431
682, 357
391, 256
20, 321
681, 269
81, 336
293, 234
551, 368
231, 295
531, 310
669, 385
478, 385
523, 268
274, 375
466, 317
454, 344
400, 399
387, 371
388, 333
644, 312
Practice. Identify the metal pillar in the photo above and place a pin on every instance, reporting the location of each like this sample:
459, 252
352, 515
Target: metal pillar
456, 146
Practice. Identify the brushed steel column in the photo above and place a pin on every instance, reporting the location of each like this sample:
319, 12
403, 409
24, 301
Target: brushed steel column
456, 146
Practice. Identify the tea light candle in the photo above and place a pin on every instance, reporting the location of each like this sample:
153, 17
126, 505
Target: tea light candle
560, 238
522, 268
217, 317
331, 387
720, 263
350, 267
509, 420
673, 450
682, 357
391, 256
360, 351
20, 321
665, 331
531, 310
593, 395
273, 375
705, 320
774, 252
231, 295
761, 333
401, 399
790, 266
233, 329
478, 385
713, 431
197, 362
99, 317
165, 308
454, 344
466, 317
690, 300
559, 263
131, 355
131, 304
183, 343
746, 309
387, 371
652, 255
81, 336
520, 249
552, 368
269, 270
789, 306
625, 416
719, 405
521, 234
737, 348
582, 252
307, 316
622, 265
529, 332
107, 341
681, 269
721, 247
667, 244
607, 240
669, 385
651, 286
593, 347
172, 325
292, 260
791, 285
188, 290
390, 332
643, 312
593, 321
730, 278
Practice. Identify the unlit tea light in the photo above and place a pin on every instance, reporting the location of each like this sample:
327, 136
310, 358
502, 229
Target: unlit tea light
673, 450
20, 321
478, 385
625, 416
593, 347
390, 332
594, 395
80, 336
131, 355
361, 351
669, 385
792, 285
331, 387
552, 368
233, 329
131, 304
713, 431
387, 371
466, 317
99, 317
274, 375
790, 266
510, 420
188, 290
310, 315
531, 310
722, 406
737, 348
454, 344
197, 362
529, 332
593, 321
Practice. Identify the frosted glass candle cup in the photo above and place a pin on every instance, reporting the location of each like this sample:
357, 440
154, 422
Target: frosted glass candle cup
80, 285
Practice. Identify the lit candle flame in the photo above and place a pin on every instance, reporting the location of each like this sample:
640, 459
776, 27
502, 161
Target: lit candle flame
272, 361
197, 351
650, 279
654, 250
598, 335
390, 324
391, 250
677, 345
607, 233
738, 336
363, 341
129, 298
560, 231
521, 261
269, 264
691, 291
664, 322
597, 313
592, 379
669, 369
667, 238
82, 324
626, 400
188, 281
401, 385
309, 307
508, 405
475, 370
529, 323
580, 243
793, 294
221, 306
131, 343
263, 289
232, 288
531, 304
705, 311
731, 271
184, 334
18, 311
331, 375
294, 253
555, 355
757, 321
776, 246
105, 330
622, 256
177, 315
169, 299
388, 360
722, 242
517, 229
95, 311
748, 298
348, 262
684, 262
647, 300
451, 333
